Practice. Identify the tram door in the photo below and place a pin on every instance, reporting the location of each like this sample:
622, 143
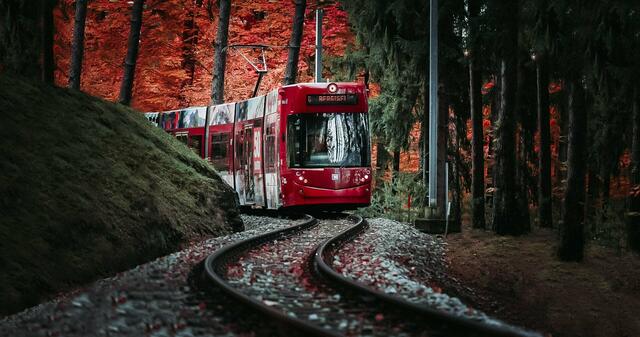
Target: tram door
249, 184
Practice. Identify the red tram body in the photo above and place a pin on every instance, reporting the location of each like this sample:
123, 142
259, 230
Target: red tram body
305, 144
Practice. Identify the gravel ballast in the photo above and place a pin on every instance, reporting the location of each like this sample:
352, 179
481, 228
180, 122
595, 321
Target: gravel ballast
399, 260
159, 299
152, 299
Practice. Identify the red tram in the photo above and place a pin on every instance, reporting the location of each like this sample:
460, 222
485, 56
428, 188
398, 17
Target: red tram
299, 145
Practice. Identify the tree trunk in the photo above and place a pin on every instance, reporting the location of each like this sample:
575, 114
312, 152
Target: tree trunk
294, 43
396, 168
633, 217
189, 42
572, 227
506, 217
77, 49
477, 142
21, 38
132, 53
635, 149
48, 64
525, 128
561, 172
220, 55
544, 163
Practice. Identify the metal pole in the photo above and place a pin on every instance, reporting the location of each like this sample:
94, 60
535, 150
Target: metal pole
433, 104
318, 70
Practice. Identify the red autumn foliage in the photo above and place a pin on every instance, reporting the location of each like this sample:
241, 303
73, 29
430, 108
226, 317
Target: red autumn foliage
181, 32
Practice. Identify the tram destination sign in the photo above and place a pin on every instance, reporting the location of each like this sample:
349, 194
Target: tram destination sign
332, 99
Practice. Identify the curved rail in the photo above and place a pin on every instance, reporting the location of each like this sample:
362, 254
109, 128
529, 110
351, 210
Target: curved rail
457, 325
214, 269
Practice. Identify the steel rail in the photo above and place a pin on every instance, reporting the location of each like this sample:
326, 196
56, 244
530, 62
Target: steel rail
215, 267
452, 324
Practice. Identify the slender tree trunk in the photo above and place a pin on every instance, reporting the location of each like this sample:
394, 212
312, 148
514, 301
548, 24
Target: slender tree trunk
48, 64
220, 54
506, 217
294, 43
477, 142
544, 164
382, 161
633, 217
396, 166
606, 181
132, 53
396, 161
77, 49
424, 159
189, 42
524, 129
572, 229
561, 173
635, 148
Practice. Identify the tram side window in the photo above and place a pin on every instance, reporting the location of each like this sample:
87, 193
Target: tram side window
196, 144
219, 151
239, 145
270, 152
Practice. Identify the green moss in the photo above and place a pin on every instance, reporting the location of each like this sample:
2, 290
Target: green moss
89, 188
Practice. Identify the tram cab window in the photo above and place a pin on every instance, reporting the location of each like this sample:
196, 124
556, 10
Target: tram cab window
195, 143
328, 140
219, 151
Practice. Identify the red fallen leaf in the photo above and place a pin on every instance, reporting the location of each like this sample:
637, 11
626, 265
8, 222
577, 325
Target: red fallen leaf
436, 289
202, 306
379, 317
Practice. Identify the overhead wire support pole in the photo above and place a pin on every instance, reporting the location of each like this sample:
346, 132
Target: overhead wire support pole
318, 65
433, 104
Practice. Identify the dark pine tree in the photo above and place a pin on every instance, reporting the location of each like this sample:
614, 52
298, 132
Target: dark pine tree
633, 217
544, 177
475, 102
48, 63
77, 48
572, 229
291, 71
635, 144
132, 53
220, 53
507, 219
20, 38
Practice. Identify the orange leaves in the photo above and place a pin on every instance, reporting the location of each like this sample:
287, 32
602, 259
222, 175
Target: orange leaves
162, 80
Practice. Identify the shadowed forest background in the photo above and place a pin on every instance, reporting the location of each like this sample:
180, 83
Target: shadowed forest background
530, 92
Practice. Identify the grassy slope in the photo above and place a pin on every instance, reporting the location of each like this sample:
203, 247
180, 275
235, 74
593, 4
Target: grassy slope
88, 188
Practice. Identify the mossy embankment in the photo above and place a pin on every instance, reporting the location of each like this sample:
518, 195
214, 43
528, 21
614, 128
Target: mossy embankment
89, 188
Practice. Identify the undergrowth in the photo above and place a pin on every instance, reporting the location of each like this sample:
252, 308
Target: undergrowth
390, 198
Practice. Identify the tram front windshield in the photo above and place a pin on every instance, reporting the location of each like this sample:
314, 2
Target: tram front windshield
328, 140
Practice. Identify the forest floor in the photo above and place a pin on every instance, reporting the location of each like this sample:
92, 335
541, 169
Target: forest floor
519, 280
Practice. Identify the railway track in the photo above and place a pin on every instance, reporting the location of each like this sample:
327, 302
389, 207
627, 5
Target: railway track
286, 276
